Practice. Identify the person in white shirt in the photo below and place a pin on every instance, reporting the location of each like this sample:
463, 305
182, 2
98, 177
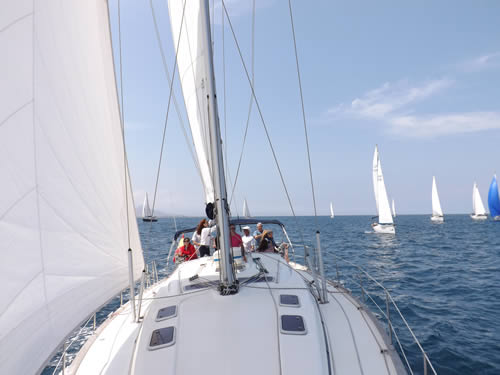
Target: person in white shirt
248, 240
202, 237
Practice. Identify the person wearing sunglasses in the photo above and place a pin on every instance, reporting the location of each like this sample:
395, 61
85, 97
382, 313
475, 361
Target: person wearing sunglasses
185, 252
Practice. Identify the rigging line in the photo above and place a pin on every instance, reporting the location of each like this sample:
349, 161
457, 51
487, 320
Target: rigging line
303, 110
122, 116
168, 108
227, 175
174, 97
250, 105
263, 123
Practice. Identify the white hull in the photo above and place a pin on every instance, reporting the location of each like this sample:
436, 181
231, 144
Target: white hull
437, 219
246, 327
479, 217
384, 228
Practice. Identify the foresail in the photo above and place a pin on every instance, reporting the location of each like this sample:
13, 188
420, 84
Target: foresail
246, 211
474, 199
63, 212
375, 175
186, 21
146, 209
393, 209
478, 202
493, 198
436, 204
384, 210
331, 210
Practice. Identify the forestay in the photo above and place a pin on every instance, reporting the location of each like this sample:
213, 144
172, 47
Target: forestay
63, 219
436, 205
188, 28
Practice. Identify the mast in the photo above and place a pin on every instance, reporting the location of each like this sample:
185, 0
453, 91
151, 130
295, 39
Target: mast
229, 283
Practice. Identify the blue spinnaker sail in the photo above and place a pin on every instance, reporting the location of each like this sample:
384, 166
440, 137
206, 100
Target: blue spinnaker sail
493, 198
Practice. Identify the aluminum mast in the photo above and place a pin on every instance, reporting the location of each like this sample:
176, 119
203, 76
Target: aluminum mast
229, 284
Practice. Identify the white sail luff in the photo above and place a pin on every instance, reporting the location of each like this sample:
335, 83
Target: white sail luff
393, 209
193, 74
477, 202
436, 204
384, 209
332, 215
63, 212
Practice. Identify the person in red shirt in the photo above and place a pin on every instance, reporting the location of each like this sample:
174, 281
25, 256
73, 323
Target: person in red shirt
186, 252
236, 241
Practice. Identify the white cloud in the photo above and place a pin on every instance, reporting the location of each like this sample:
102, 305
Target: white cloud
391, 106
444, 124
481, 63
391, 97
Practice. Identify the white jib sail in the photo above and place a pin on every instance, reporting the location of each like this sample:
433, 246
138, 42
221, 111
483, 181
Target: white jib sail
63, 212
393, 209
331, 210
477, 202
436, 205
246, 211
193, 74
384, 210
146, 210
375, 175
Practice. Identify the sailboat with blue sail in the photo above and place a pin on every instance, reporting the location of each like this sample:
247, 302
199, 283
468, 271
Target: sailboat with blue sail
494, 199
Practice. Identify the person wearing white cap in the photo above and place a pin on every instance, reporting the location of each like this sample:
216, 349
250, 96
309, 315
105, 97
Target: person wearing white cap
248, 240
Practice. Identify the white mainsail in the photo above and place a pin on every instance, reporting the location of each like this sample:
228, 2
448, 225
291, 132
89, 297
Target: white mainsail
331, 210
393, 209
193, 75
436, 205
375, 175
146, 210
63, 207
384, 210
246, 211
477, 202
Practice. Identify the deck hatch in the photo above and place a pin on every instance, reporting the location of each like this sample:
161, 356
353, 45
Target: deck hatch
293, 325
162, 337
166, 312
289, 300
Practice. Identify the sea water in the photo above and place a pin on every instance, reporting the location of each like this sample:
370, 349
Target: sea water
445, 279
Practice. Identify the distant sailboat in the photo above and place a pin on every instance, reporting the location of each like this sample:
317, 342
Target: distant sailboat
437, 212
331, 210
494, 199
477, 205
393, 209
146, 211
246, 211
385, 223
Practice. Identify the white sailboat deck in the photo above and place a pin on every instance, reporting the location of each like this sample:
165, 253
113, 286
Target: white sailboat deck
350, 343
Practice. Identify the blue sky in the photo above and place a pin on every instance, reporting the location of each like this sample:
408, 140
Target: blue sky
420, 79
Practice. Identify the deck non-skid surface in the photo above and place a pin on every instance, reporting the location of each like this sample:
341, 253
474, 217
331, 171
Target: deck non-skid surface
242, 334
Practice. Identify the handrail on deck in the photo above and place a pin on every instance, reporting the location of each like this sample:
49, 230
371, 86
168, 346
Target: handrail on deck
150, 278
389, 300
